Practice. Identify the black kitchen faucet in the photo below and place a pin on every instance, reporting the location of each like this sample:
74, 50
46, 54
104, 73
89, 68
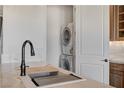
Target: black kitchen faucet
23, 65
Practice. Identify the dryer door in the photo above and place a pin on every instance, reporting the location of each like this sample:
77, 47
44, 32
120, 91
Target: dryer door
66, 36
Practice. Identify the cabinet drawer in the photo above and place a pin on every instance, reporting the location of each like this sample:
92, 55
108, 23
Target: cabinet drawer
116, 80
117, 72
114, 66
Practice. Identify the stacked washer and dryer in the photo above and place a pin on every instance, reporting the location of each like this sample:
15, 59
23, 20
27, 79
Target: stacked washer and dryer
67, 47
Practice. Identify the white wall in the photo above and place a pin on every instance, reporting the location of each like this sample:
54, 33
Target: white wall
19, 24
57, 16
1, 10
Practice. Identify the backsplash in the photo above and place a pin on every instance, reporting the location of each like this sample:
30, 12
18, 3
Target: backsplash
116, 49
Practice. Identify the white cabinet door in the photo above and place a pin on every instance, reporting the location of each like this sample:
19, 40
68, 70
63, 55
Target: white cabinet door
92, 42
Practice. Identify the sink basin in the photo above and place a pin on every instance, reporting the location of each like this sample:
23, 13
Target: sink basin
54, 77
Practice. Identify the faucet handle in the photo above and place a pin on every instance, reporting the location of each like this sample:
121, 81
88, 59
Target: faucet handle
23, 73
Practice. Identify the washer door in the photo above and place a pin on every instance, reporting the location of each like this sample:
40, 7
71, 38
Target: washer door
64, 62
66, 36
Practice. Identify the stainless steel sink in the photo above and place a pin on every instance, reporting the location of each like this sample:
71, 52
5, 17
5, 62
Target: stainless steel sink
47, 78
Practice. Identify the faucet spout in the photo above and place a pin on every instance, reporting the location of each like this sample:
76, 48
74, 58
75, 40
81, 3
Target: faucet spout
23, 65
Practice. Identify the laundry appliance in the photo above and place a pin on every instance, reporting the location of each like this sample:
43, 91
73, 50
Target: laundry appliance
67, 46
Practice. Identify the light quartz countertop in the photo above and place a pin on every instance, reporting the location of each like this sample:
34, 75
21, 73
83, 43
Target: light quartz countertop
10, 77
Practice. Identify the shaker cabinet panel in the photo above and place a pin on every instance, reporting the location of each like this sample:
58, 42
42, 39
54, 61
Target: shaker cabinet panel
116, 80
117, 75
